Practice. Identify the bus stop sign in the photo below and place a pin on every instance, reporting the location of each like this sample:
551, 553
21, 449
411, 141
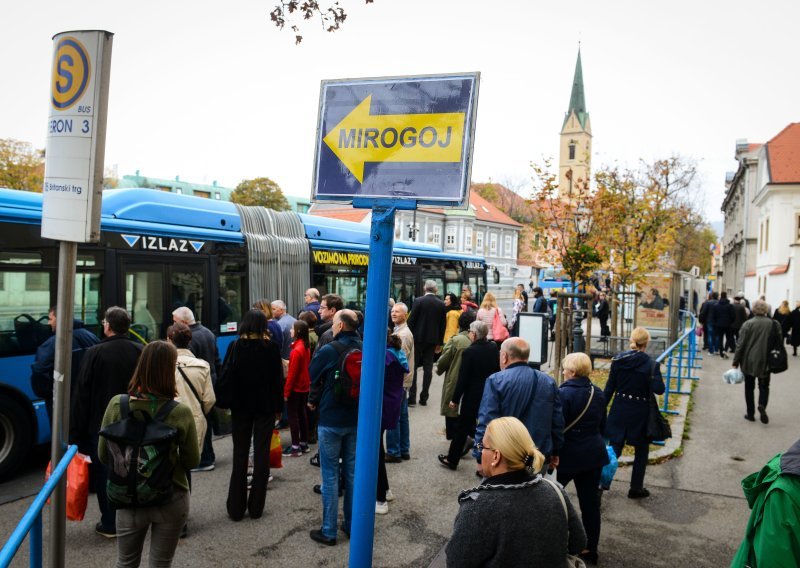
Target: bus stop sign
407, 138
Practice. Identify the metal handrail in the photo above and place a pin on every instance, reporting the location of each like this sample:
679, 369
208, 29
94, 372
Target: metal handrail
32, 520
685, 362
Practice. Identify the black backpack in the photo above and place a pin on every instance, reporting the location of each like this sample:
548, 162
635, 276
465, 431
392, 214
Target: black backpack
140, 471
347, 375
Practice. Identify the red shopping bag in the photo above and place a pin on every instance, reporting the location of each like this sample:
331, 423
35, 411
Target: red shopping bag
77, 486
275, 451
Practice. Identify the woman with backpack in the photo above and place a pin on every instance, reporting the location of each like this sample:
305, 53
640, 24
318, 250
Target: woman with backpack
253, 376
160, 502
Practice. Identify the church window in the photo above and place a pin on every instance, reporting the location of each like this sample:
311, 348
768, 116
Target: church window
572, 151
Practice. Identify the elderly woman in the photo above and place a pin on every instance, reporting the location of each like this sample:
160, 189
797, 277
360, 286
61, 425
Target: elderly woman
450, 364
751, 356
633, 376
513, 518
583, 454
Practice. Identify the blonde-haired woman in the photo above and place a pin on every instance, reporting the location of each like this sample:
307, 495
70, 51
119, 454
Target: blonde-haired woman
781, 316
513, 518
633, 376
486, 314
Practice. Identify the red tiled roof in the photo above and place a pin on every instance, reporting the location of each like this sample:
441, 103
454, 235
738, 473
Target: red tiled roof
752, 147
750, 274
782, 269
486, 211
783, 153
348, 214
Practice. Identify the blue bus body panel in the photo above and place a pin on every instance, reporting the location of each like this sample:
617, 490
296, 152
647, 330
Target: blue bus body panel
15, 372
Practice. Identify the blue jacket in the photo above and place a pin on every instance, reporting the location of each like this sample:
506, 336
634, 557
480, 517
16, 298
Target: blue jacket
323, 367
312, 307
509, 392
633, 376
584, 448
43, 364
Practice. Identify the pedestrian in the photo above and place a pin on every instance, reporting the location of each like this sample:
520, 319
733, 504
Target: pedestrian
311, 298
763, 298
452, 311
398, 439
772, 536
394, 374
583, 454
106, 371
740, 316
517, 307
706, 317
337, 429
794, 329
427, 323
514, 517
285, 321
782, 316
295, 390
539, 301
254, 369
478, 361
311, 321
44, 361
751, 356
328, 306
724, 316
602, 311
526, 393
151, 387
204, 346
524, 294
449, 363
634, 375
467, 301
490, 309
274, 329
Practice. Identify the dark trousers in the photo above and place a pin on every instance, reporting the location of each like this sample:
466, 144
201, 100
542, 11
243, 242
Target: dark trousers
705, 336
99, 473
298, 419
313, 419
383, 479
423, 353
586, 484
464, 427
749, 393
450, 425
207, 456
605, 331
245, 426
642, 452
724, 337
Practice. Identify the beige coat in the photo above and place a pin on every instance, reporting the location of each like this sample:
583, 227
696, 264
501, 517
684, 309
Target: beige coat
199, 373
404, 333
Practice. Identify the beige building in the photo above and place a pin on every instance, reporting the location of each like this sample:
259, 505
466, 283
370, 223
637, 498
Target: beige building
575, 154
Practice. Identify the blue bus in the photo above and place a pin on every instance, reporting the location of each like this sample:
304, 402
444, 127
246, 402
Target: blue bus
158, 251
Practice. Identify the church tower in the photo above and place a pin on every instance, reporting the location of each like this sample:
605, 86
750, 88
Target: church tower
575, 159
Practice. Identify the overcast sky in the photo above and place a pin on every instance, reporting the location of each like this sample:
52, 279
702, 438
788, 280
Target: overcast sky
212, 91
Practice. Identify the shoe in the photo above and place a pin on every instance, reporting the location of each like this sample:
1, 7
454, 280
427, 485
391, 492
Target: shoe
750, 418
389, 495
763, 412
314, 460
318, 490
638, 493
185, 531
467, 446
108, 533
287, 451
344, 530
445, 463
201, 467
589, 557
304, 448
412, 403
723, 356
381, 508
393, 459
317, 536
270, 478
423, 403
405, 457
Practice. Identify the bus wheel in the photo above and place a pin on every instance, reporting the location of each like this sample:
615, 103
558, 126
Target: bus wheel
15, 436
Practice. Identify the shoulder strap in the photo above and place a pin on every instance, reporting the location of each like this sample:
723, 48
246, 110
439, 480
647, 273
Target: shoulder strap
339, 346
560, 497
191, 386
588, 403
164, 411
125, 406
535, 386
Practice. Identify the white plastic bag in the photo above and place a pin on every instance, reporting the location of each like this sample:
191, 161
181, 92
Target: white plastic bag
733, 376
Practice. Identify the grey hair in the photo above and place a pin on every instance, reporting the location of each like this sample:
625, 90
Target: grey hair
431, 286
313, 292
479, 328
402, 306
760, 308
184, 314
278, 304
517, 349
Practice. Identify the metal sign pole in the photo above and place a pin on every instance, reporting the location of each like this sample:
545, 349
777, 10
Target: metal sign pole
362, 530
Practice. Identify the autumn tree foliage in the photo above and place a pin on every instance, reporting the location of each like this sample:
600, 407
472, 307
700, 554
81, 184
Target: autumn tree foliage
292, 12
21, 166
260, 191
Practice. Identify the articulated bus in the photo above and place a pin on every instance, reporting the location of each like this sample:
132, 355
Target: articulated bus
158, 251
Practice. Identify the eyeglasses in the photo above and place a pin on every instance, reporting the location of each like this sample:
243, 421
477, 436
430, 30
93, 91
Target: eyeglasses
104, 322
481, 447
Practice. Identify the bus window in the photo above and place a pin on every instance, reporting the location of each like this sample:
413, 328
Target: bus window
24, 304
229, 304
352, 289
144, 301
187, 290
454, 283
436, 277
404, 288
87, 304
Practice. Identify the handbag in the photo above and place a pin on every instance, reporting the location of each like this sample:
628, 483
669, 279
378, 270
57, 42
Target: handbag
589, 402
607, 474
77, 486
224, 387
573, 561
777, 359
499, 331
657, 426
275, 450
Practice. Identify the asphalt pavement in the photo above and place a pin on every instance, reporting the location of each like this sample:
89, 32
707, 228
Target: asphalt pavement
695, 516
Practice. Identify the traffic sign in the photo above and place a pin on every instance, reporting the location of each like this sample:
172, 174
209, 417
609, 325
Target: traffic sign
406, 138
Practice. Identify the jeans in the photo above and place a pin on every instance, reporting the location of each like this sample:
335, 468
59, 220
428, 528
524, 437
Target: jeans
298, 418
259, 428
207, 456
423, 353
642, 452
165, 523
336, 442
398, 440
586, 484
749, 393
711, 333
724, 337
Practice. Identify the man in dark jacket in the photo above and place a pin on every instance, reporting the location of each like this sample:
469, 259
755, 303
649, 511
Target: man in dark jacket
330, 304
740, 316
601, 312
706, 317
204, 346
44, 363
427, 323
478, 362
106, 371
312, 301
724, 316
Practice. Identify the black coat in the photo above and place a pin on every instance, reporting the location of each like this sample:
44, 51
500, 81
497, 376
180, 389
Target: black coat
106, 371
427, 320
740, 316
478, 362
633, 376
794, 327
584, 448
706, 314
256, 376
723, 315
601, 311
204, 346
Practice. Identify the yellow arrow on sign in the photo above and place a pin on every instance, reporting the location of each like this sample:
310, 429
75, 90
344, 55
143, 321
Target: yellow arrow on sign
362, 137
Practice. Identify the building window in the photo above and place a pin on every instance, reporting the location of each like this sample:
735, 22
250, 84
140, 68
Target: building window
479, 241
204, 194
217, 196
797, 228
436, 235
536, 239
760, 242
468, 240
493, 243
450, 237
178, 190
572, 151
509, 240
766, 241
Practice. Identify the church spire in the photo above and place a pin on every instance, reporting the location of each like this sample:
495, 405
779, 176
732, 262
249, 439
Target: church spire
577, 100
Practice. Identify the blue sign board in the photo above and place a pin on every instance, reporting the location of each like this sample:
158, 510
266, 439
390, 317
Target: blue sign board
406, 138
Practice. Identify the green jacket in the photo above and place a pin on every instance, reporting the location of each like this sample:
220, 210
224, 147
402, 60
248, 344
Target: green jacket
772, 538
450, 363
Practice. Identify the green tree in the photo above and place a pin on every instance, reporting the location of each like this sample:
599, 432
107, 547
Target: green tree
260, 191
21, 166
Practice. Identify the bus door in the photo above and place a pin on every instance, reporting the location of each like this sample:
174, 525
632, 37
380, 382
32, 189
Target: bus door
476, 280
404, 285
152, 290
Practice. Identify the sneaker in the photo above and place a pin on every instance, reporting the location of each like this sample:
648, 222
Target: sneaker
103, 531
317, 536
381, 508
304, 448
201, 467
287, 451
389, 495
393, 459
638, 493
294, 452
314, 460
405, 457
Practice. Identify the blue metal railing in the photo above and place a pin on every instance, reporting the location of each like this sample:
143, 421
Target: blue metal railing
681, 359
32, 520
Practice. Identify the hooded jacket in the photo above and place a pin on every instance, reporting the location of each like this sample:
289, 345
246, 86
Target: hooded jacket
772, 537
396, 368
